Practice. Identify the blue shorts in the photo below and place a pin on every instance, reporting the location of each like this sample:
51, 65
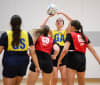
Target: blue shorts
13, 71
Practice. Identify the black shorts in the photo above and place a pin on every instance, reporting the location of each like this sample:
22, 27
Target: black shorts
55, 62
45, 62
15, 67
76, 61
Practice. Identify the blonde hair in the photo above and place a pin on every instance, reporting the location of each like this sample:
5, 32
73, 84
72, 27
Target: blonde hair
36, 33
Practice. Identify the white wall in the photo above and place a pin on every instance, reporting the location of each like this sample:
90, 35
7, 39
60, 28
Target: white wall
33, 12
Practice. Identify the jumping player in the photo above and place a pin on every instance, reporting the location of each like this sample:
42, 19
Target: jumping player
59, 36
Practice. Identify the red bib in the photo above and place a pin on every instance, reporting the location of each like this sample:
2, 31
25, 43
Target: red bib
78, 42
44, 44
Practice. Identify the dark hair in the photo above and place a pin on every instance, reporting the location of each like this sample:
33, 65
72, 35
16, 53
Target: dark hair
78, 27
15, 24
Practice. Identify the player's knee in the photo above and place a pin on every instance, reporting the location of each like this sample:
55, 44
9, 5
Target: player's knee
55, 78
63, 79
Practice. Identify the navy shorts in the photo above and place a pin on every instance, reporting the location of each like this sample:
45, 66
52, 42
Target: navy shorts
15, 66
45, 62
76, 61
13, 71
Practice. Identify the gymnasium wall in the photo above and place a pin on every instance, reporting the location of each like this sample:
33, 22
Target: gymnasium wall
33, 12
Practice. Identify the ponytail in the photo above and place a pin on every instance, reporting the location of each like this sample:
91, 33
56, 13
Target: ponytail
16, 36
16, 23
82, 33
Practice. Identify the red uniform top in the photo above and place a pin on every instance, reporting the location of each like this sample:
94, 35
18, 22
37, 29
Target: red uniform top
44, 44
78, 42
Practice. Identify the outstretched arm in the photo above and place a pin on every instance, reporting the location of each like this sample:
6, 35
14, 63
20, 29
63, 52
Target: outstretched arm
92, 50
68, 18
46, 20
63, 53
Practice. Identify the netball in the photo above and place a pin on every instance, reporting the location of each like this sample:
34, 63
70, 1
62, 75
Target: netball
51, 9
